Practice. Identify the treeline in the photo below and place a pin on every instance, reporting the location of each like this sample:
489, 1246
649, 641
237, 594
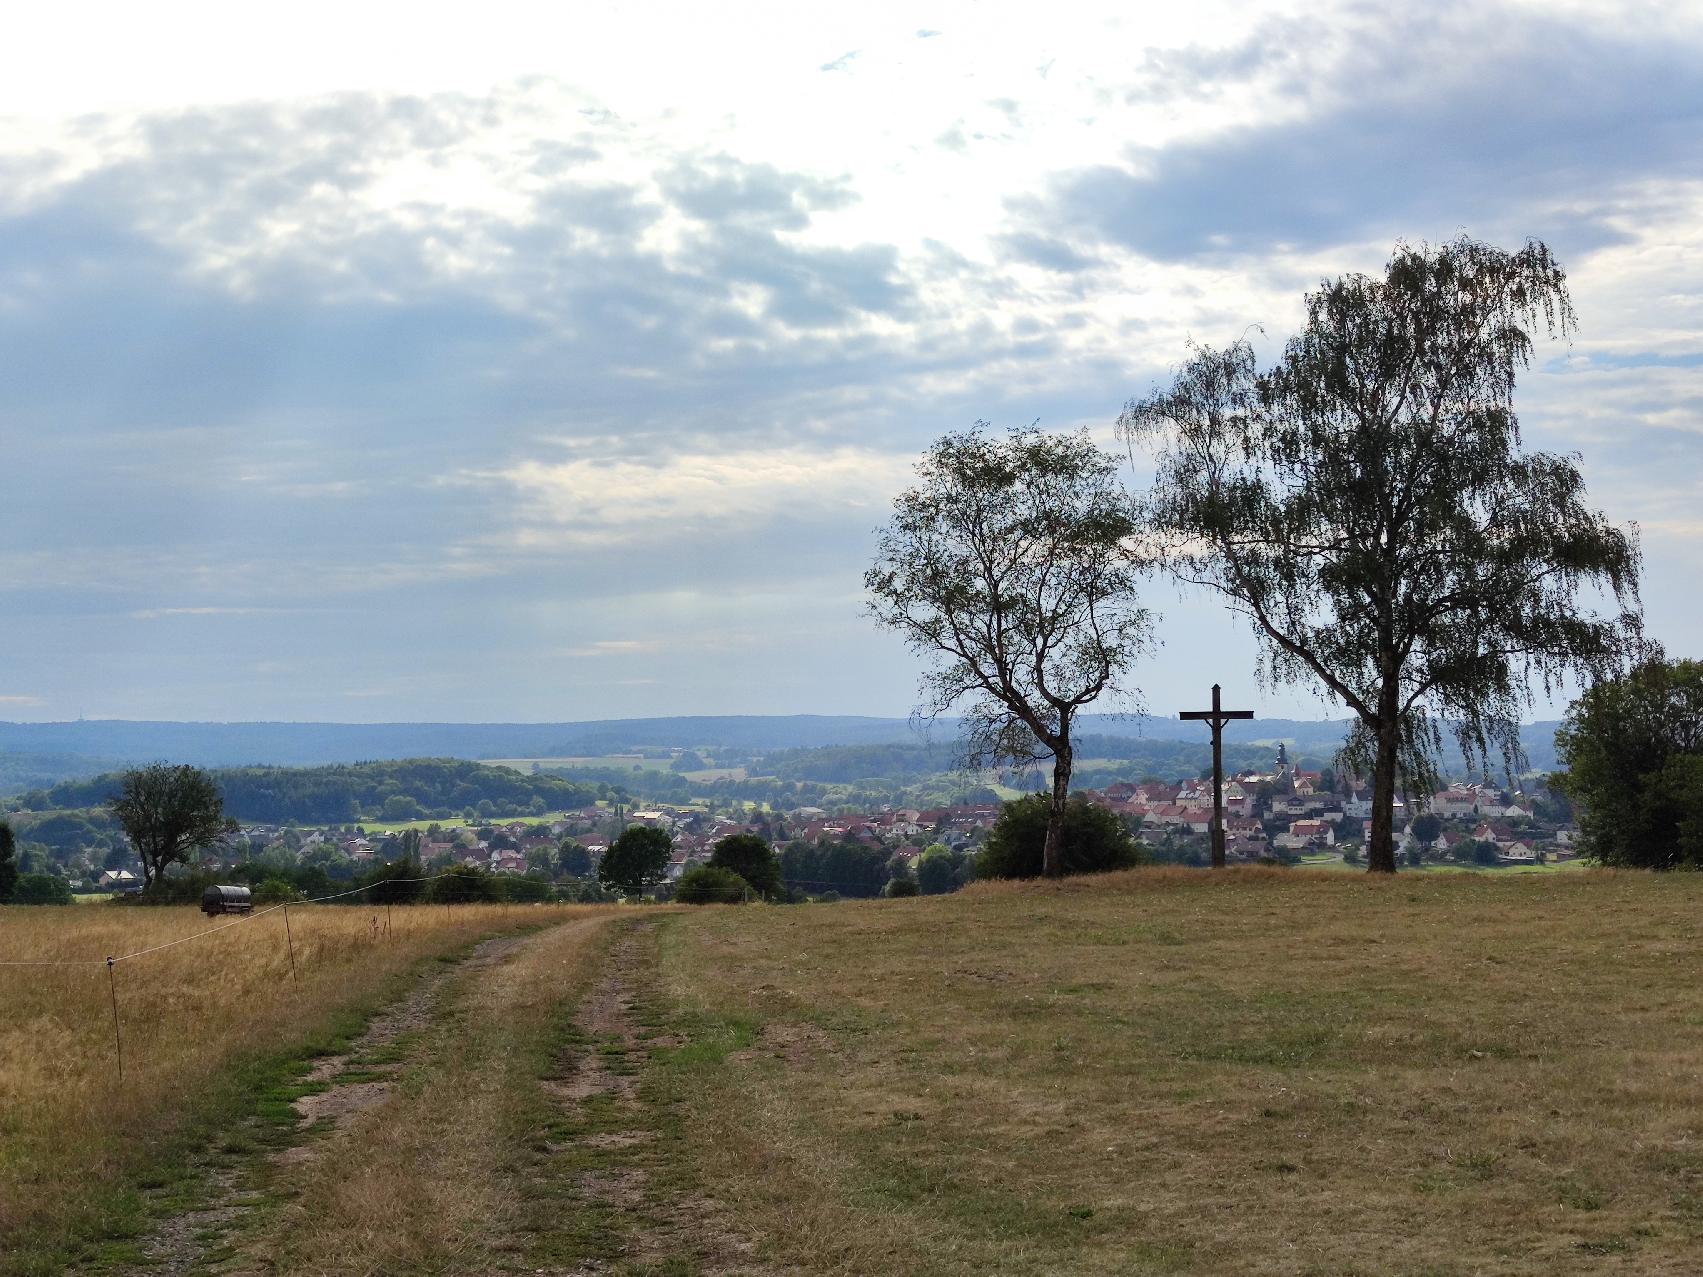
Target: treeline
842, 868
409, 789
847, 764
20, 772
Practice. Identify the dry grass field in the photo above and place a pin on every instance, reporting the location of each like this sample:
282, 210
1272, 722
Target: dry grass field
191, 1016
1167, 1071
1254, 1072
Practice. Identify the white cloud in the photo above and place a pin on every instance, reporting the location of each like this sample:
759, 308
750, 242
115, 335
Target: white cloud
604, 501
616, 647
487, 348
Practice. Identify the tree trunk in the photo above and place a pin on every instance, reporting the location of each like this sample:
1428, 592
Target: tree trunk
1052, 857
1380, 841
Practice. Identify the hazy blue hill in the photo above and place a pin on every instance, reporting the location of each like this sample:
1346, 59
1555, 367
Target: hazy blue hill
226, 744
34, 754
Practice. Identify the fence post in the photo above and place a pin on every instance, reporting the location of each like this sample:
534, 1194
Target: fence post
290, 940
117, 1040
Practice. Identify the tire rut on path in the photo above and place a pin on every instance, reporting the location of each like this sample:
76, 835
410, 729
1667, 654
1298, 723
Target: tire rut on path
604, 1072
179, 1243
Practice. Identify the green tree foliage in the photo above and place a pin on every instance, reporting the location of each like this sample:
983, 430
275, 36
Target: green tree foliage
711, 885
8, 862
574, 860
275, 891
168, 812
937, 870
1007, 567
41, 889
394, 883
1095, 840
847, 868
635, 860
526, 890
1426, 826
901, 886
1366, 505
345, 794
1633, 748
465, 884
1485, 853
751, 859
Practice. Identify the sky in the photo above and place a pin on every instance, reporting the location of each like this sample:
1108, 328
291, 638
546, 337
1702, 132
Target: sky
412, 362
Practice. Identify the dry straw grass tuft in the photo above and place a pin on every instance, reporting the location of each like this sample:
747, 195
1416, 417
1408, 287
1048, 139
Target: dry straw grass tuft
187, 1014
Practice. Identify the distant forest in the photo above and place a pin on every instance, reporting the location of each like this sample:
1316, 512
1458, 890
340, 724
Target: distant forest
416, 788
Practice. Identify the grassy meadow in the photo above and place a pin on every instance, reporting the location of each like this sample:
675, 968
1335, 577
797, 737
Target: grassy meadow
1250, 1072
193, 1017
616, 762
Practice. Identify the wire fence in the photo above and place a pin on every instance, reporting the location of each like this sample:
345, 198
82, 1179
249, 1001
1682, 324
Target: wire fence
730, 894
111, 961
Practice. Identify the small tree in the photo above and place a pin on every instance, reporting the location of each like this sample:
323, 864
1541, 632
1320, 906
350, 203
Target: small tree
752, 860
1008, 566
466, 884
1365, 505
8, 862
396, 882
575, 860
937, 870
1426, 826
41, 889
167, 813
1633, 749
635, 860
1095, 840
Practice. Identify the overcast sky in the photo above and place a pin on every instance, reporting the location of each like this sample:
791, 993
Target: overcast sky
377, 362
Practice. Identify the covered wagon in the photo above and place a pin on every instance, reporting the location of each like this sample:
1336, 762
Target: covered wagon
217, 900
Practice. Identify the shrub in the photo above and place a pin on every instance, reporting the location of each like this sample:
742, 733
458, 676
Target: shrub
526, 890
464, 884
275, 891
41, 889
394, 883
711, 885
177, 888
751, 859
1095, 840
900, 887
937, 870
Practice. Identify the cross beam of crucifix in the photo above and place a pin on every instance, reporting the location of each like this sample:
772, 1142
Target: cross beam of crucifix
1216, 717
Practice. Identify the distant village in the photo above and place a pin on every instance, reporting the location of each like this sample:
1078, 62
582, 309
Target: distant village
1281, 815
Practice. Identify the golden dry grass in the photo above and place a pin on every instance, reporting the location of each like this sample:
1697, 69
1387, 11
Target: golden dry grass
1256, 1072
69, 1127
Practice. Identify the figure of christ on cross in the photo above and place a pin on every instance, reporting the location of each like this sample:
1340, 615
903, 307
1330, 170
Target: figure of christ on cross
1217, 717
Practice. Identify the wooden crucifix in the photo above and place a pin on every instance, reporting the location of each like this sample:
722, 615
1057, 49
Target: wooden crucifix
1217, 717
